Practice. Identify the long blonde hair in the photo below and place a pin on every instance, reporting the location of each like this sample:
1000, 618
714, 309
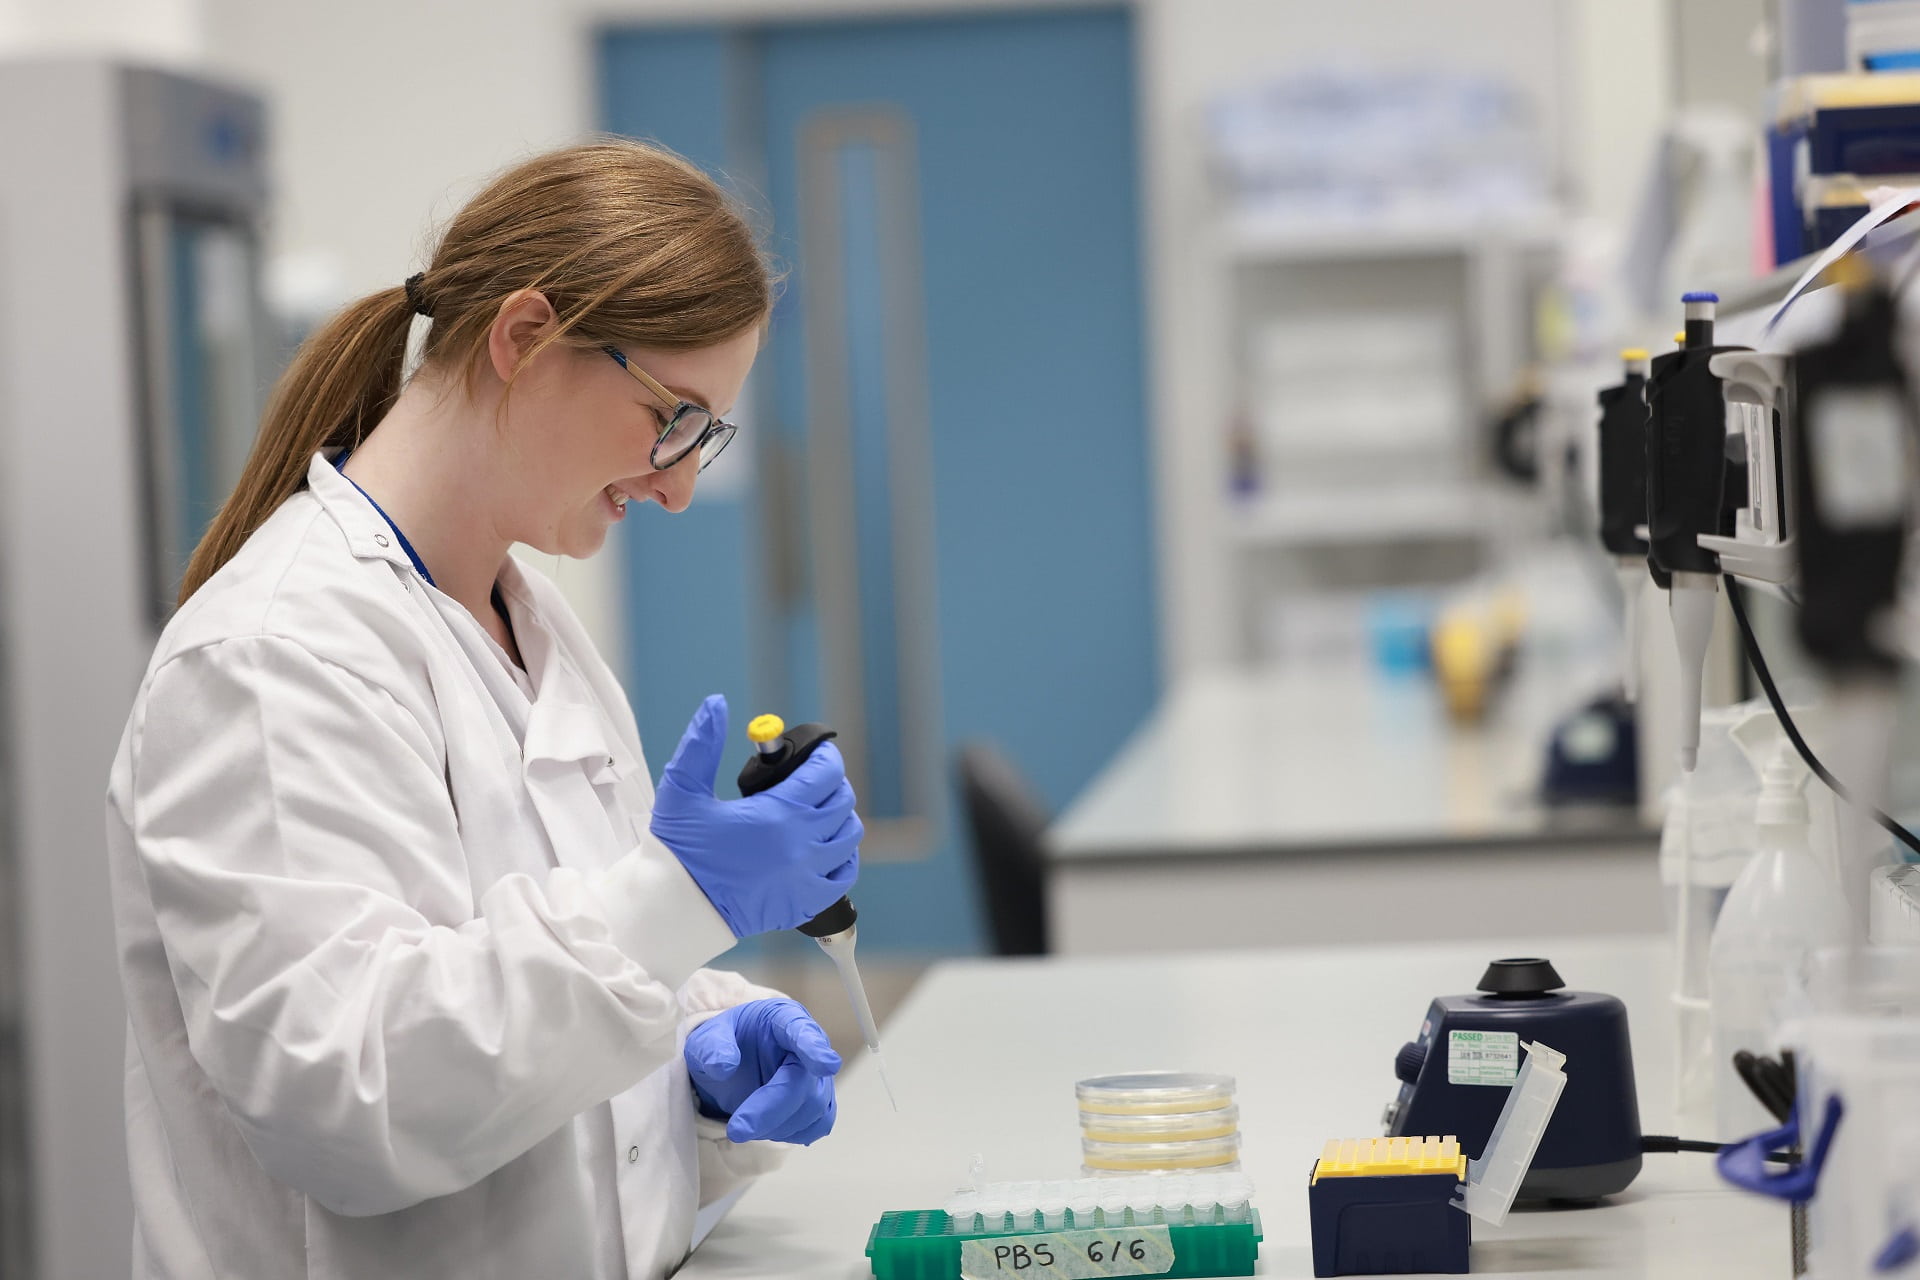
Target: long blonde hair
631, 244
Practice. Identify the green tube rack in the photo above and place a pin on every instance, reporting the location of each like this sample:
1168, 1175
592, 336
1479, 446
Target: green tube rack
925, 1244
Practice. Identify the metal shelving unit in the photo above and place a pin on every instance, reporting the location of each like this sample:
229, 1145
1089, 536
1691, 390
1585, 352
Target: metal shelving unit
1383, 513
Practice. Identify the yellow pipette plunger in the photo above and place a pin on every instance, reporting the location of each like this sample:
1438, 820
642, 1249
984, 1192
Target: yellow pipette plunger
777, 753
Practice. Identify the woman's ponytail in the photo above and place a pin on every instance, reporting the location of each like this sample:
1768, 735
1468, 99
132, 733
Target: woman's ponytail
342, 381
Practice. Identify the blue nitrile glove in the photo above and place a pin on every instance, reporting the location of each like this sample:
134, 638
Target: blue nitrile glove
768, 1066
769, 861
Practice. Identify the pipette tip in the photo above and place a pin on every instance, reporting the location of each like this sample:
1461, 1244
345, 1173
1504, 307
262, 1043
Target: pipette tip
885, 1083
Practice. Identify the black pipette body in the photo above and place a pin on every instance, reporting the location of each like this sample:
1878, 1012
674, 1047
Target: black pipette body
773, 764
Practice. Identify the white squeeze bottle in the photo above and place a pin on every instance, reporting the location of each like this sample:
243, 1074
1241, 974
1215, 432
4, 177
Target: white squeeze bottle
1784, 907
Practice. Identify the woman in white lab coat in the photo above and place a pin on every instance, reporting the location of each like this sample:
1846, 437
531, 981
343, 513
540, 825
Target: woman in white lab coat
411, 949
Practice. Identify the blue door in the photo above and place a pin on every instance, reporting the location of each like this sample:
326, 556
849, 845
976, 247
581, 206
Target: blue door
943, 528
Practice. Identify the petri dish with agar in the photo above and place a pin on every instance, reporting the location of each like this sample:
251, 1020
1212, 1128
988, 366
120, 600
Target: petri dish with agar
1148, 1093
1179, 1126
1139, 1157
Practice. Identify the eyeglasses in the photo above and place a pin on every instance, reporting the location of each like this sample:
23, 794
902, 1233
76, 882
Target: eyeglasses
689, 428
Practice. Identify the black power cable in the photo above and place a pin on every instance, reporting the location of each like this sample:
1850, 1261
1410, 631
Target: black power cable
1661, 1144
1759, 664
1772, 1082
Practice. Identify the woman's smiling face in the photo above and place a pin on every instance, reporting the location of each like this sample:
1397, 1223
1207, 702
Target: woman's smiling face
583, 430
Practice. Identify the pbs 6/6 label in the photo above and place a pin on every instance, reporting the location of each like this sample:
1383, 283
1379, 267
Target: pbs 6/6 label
1069, 1255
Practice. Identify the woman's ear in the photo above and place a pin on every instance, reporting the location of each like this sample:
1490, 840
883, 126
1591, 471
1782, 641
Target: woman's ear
524, 318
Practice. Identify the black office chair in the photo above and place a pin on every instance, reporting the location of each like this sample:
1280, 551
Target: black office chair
1006, 822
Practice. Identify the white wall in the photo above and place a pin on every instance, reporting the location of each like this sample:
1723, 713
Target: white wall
385, 115
1724, 53
1624, 82
165, 31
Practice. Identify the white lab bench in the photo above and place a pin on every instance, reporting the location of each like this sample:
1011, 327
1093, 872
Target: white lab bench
984, 1056
1303, 805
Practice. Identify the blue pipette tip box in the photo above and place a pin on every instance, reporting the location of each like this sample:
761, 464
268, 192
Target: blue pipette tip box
1388, 1225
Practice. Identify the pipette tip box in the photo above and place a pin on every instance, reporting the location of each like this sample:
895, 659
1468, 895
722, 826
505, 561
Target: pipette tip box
1384, 1206
1171, 1225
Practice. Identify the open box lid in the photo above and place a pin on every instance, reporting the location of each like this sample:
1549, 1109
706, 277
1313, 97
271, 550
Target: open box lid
1494, 1179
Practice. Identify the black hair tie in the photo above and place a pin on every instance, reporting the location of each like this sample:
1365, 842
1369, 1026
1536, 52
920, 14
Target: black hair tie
417, 296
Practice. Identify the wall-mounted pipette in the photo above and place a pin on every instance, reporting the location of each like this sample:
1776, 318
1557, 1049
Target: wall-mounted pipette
1688, 492
778, 751
1623, 496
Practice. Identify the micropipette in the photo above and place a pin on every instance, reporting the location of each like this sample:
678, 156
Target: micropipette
1622, 439
778, 751
1689, 494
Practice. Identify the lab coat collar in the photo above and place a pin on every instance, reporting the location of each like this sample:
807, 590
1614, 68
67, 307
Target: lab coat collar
368, 536
565, 723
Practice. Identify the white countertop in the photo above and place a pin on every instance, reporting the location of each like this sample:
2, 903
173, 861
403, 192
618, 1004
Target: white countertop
984, 1056
1269, 760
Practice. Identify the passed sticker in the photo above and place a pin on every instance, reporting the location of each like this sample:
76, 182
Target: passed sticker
1483, 1057
1069, 1255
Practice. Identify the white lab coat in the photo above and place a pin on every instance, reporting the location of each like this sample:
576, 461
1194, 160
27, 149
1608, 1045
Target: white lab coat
407, 976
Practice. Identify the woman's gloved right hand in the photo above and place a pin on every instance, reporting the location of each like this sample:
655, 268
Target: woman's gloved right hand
769, 861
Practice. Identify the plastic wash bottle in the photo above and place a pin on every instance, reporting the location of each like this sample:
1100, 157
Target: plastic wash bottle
1784, 907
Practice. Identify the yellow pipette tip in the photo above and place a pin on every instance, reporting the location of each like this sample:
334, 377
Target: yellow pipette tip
1680, 337
1633, 353
765, 729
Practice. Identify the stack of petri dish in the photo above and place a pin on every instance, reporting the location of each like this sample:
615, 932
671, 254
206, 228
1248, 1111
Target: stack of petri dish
1158, 1120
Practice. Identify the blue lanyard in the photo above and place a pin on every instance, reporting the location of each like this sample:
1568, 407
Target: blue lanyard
419, 564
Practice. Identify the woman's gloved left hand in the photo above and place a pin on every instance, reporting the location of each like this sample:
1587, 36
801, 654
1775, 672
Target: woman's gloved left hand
768, 1067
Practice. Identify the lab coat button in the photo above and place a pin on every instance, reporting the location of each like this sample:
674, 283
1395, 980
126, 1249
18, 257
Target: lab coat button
633, 1155
380, 539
